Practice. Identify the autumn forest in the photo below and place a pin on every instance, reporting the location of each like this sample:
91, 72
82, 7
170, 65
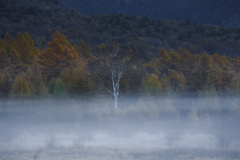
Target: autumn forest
62, 69
49, 53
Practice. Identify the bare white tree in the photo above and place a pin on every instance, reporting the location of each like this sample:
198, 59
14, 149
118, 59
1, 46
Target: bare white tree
116, 75
118, 65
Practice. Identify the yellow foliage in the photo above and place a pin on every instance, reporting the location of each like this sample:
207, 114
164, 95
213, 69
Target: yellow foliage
181, 50
163, 52
164, 84
226, 60
7, 42
206, 61
8, 38
78, 52
76, 78
58, 55
191, 50
153, 81
21, 86
25, 48
174, 56
164, 57
151, 84
218, 59
9, 57
101, 46
35, 79
4, 59
85, 49
177, 80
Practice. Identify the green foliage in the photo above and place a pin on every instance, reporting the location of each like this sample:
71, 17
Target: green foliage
57, 88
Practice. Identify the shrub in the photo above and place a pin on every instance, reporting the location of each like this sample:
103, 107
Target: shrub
57, 88
21, 86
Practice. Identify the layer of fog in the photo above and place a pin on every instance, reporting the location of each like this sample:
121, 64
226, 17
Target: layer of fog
142, 128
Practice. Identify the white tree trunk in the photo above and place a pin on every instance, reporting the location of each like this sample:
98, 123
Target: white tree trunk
116, 75
115, 98
118, 68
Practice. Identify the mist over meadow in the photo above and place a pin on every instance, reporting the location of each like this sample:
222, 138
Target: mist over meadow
119, 85
204, 127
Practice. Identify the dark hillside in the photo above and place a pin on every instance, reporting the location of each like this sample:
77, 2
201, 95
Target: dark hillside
217, 12
41, 18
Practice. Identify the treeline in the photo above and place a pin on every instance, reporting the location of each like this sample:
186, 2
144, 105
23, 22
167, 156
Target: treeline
64, 70
27, 70
185, 70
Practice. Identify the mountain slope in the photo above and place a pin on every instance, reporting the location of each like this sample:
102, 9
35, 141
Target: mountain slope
217, 12
41, 18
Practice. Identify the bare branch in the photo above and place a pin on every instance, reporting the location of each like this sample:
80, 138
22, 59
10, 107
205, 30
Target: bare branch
107, 90
117, 62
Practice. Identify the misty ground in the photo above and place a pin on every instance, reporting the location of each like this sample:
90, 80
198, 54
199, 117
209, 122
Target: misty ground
142, 128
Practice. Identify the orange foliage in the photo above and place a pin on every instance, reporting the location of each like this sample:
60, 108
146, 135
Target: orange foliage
25, 48
58, 55
217, 59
